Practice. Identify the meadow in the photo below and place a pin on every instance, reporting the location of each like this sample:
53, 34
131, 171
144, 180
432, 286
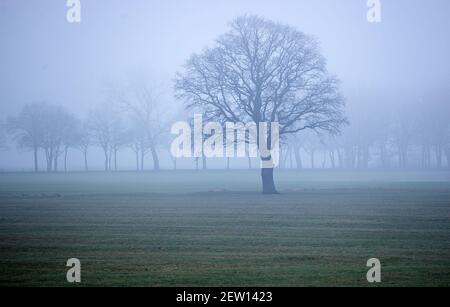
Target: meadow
214, 228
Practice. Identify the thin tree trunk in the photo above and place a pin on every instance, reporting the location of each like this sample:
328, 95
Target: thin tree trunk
66, 150
110, 159
204, 166
155, 159
324, 161
332, 159
439, 156
142, 159
340, 158
49, 160
291, 161
312, 159
106, 159
298, 157
115, 160
137, 159
268, 183
35, 153
282, 159
366, 157
86, 169
55, 167
447, 154
423, 160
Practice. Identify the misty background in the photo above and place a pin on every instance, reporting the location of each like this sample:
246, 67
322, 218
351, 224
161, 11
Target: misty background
394, 74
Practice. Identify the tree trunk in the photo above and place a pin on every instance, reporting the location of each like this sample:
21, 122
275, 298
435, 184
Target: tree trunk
291, 161
66, 150
55, 167
249, 159
282, 159
137, 160
332, 159
383, 156
324, 161
115, 160
36, 166
106, 159
204, 163
142, 159
340, 158
86, 169
155, 159
366, 157
404, 157
110, 159
438, 156
298, 157
228, 163
424, 156
447, 154
268, 183
49, 160
359, 158
49, 164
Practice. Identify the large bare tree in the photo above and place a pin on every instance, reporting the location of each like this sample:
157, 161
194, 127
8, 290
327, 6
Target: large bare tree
26, 128
42, 126
146, 108
262, 71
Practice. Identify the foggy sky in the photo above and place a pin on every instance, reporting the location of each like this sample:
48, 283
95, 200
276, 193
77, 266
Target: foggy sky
45, 58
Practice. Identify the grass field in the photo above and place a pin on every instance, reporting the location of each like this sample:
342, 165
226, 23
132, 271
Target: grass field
214, 228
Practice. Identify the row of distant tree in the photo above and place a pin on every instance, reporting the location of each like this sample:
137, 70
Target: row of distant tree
134, 120
408, 136
417, 139
260, 71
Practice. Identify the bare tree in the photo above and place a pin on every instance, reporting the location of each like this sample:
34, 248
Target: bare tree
145, 104
58, 124
118, 140
103, 122
311, 144
83, 141
403, 133
70, 138
296, 143
138, 142
261, 71
26, 128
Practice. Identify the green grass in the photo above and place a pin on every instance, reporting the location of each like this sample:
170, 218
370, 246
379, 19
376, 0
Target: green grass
215, 229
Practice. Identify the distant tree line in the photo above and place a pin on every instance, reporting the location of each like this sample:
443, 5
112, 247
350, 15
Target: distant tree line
408, 137
416, 139
134, 121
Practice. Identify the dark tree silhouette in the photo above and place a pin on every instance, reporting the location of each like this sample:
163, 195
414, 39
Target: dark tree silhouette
26, 128
83, 141
104, 128
262, 71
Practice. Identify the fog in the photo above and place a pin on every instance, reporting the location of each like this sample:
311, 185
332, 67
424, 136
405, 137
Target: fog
394, 74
